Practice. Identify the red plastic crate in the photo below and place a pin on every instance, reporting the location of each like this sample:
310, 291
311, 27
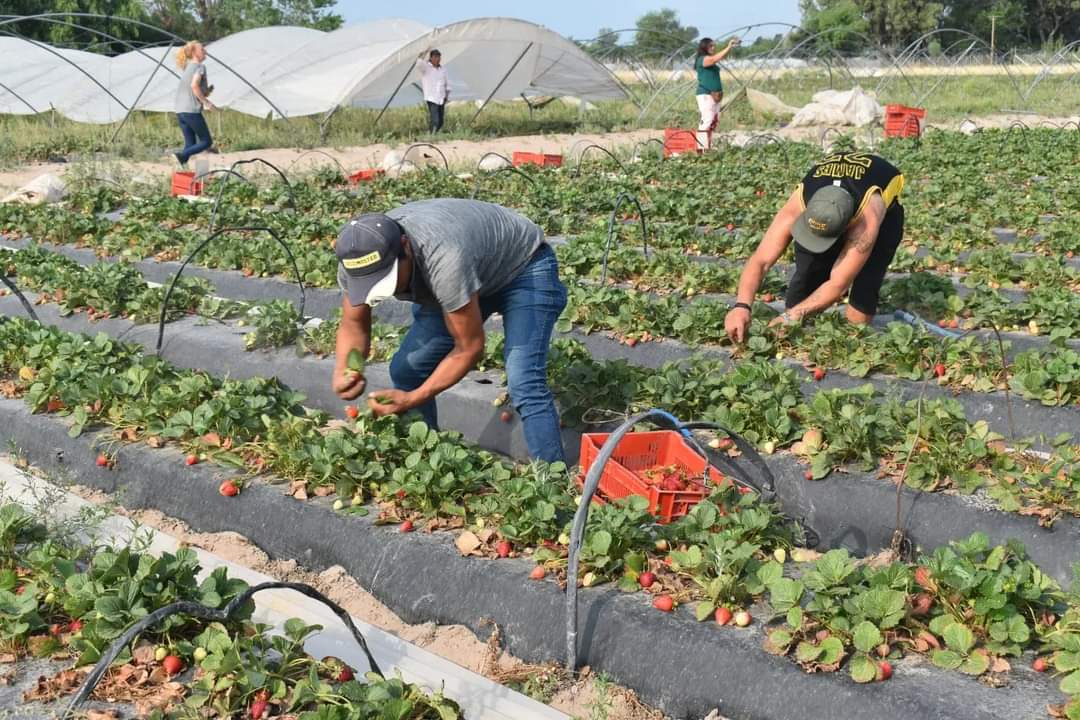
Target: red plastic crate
642, 451
184, 183
679, 140
903, 121
368, 175
531, 158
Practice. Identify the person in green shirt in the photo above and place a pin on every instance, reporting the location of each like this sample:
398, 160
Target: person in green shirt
710, 91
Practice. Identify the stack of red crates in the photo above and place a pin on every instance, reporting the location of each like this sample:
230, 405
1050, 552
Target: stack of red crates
638, 452
903, 121
679, 140
531, 158
184, 183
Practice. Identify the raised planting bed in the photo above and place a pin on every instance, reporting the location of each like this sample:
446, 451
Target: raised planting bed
688, 669
848, 509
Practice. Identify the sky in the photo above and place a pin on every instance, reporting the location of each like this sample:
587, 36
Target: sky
582, 18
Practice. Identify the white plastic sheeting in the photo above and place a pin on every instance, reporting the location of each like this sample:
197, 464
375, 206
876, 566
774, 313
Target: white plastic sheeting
295, 71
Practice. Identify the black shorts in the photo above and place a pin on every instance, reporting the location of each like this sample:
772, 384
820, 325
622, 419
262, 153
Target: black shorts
812, 270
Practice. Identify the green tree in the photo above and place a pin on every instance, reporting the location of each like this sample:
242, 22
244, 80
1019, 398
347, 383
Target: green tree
1054, 21
55, 32
893, 23
204, 20
659, 34
839, 24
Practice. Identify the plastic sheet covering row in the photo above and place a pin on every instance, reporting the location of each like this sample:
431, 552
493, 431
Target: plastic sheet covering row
293, 71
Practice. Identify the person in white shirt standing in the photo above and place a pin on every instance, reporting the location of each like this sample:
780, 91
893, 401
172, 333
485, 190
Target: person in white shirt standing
436, 87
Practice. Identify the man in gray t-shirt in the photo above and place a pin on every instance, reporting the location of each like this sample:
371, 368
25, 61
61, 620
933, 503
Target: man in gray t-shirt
460, 261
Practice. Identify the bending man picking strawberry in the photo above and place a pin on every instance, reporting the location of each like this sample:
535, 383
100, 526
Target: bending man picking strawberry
458, 261
847, 222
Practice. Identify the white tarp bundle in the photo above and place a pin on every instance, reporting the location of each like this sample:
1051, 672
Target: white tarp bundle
294, 71
835, 107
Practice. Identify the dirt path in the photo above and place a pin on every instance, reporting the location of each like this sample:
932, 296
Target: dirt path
463, 154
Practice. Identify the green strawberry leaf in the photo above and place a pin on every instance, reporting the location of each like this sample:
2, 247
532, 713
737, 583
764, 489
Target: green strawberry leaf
866, 636
1070, 684
863, 669
947, 659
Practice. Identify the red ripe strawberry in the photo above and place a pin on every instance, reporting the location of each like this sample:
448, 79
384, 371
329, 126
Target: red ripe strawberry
884, 670
538, 573
406, 526
646, 579
172, 664
723, 616
345, 675
506, 416
939, 370
809, 475
672, 484
743, 490
229, 489
922, 577
258, 708
400, 494
75, 626
351, 411
102, 460
631, 342
1039, 665
191, 459
725, 444
663, 603
56, 630
819, 374
730, 227
503, 548
942, 323
920, 604
953, 324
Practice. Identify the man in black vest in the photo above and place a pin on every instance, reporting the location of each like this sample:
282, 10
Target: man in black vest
847, 222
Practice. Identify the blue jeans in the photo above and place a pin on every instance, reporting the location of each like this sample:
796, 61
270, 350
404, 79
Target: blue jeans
530, 305
196, 135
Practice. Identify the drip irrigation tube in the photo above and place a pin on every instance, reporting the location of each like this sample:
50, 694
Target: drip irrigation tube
643, 143
765, 487
203, 612
611, 231
232, 171
505, 168
344, 172
405, 155
22, 298
197, 250
586, 149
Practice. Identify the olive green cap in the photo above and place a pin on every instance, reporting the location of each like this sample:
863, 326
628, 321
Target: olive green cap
825, 219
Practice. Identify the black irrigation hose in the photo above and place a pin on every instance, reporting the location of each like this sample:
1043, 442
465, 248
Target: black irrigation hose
202, 612
232, 171
611, 231
344, 172
1018, 125
485, 156
505, 168
404, 155
643, 143
586, 149
577, 531
691, 133
766, 139
22, 298
203, 244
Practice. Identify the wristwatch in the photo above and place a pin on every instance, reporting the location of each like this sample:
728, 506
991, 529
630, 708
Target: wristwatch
742, 305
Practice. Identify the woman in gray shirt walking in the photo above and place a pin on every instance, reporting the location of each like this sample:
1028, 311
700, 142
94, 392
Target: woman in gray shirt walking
191, 100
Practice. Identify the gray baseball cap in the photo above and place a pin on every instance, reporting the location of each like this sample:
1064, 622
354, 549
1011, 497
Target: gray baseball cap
368, 248
825, 219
